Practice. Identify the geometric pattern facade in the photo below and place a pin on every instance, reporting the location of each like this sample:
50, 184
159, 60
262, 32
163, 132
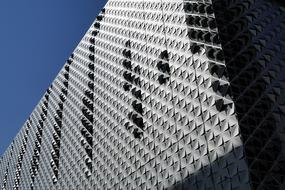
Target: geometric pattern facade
162, 94
252, 36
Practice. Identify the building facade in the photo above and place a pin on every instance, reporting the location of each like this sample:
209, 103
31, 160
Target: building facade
162, 94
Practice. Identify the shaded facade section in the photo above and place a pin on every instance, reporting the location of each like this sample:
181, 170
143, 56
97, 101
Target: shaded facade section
222, 177
252, 36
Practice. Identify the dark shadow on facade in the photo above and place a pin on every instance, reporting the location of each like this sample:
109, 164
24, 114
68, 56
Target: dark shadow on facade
253, 40
225, 173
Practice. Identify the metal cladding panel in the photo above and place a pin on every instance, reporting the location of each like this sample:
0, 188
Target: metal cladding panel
147, 100
253, 40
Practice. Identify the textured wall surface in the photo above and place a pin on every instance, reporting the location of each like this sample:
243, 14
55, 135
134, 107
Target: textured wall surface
253, 40
157, 96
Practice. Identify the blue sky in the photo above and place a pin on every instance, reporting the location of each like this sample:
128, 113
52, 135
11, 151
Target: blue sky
36, 37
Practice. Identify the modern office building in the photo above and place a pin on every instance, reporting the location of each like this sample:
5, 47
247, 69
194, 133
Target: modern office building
162, 94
